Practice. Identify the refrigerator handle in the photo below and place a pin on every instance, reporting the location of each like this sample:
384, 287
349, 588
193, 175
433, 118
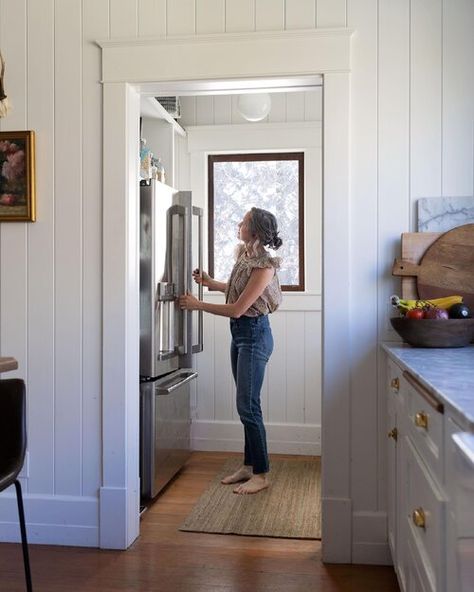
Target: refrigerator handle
187, 233
196, 348
182, 348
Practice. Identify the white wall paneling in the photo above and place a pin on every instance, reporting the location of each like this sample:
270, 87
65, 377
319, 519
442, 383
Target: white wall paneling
282, 438
205, 110
269, 15
180, 17
210, 16
41, 252
425, 101
457, 92
222, 109
151, 18
95, 24
123, 18
278, 110
239, 15
68, 249
295, 107
331, 13
300, 14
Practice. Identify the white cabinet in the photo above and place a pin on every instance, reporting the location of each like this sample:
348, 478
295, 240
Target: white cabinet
421, 519
165, 138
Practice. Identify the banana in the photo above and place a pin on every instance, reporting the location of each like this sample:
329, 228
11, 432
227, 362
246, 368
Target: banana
405, 305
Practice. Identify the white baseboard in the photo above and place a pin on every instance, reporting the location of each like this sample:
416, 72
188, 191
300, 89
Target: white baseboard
336, 519
370, 539
51, 520
282, 438
371, 554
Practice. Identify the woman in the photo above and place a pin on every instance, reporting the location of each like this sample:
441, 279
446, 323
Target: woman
252, 292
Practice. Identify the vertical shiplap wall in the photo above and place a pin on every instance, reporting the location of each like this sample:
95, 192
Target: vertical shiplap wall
412, 100
222, 109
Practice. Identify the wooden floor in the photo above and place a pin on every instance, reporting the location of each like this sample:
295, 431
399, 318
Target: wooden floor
164, 559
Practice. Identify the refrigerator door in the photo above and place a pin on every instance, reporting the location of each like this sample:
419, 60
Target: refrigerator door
164, 239
165, 429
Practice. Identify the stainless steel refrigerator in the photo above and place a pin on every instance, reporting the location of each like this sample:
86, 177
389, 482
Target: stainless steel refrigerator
170, 248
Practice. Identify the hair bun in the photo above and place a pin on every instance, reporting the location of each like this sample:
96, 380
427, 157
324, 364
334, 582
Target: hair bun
277, 242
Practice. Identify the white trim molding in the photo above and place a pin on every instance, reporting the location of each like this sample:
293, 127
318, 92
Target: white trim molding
222, 57
52, 519
226, 55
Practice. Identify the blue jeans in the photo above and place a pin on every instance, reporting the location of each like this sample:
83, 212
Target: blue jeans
251, 347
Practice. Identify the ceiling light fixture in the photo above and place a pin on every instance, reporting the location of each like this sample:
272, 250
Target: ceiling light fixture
254, 106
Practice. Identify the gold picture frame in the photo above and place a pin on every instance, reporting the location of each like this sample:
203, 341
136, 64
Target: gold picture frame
17, 177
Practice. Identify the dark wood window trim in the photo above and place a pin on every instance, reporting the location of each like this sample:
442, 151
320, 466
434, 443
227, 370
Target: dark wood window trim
299, 156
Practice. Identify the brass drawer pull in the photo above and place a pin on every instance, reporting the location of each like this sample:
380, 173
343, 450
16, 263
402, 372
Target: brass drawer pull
393, 434
421, 420
395, 384
419, 517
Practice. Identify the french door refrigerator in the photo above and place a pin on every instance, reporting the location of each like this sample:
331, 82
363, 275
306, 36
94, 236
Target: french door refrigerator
170, 248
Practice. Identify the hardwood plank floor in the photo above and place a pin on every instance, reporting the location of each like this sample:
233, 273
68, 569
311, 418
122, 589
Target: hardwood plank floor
164, 559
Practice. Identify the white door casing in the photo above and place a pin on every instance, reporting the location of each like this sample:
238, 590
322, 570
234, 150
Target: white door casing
127, 64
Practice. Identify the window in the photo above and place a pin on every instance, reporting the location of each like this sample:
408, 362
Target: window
274, 182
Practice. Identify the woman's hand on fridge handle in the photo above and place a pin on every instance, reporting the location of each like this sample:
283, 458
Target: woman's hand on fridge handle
201, 277
189, 302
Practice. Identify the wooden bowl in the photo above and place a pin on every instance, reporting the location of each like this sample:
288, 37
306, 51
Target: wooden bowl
434, 332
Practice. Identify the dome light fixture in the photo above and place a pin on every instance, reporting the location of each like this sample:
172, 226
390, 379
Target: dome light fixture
254, 106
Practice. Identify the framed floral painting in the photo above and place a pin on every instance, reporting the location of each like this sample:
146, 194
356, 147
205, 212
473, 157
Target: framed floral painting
17, 176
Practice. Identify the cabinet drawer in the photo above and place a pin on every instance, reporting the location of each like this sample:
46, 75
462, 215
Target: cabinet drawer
425, 516
424, 424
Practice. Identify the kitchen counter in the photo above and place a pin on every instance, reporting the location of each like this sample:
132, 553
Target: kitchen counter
7, 364
448, 373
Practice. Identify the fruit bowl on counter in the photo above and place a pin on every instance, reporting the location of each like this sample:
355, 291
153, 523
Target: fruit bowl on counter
434, 332
443, 322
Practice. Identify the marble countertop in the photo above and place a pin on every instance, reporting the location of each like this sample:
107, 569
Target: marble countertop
448, 373
7, 364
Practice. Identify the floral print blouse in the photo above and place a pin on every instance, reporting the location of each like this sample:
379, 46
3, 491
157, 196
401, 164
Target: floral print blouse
271, 298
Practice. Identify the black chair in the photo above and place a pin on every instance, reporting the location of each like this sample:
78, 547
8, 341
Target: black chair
12, 450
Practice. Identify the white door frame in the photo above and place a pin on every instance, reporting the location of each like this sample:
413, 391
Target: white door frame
127, 64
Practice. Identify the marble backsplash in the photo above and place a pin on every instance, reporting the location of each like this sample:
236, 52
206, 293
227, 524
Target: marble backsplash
439, 214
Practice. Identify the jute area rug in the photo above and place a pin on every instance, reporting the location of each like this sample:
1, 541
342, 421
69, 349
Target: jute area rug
289, 508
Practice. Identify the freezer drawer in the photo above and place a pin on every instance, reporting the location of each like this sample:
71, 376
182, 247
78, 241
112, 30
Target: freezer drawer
165, 420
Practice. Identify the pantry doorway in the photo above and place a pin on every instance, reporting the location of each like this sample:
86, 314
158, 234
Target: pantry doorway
131, 68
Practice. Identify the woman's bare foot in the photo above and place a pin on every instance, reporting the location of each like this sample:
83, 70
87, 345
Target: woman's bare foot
255, 484
243, 474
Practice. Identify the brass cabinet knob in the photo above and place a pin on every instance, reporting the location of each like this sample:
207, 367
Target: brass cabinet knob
421, 420
419, 517
395, 384
393, 434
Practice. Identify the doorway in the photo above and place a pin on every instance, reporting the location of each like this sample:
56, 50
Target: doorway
274, 164
124, 80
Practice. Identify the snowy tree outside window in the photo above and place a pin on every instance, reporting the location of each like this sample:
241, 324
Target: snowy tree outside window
273, 182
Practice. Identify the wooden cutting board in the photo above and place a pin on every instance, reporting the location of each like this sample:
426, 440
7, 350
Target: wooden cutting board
445, 268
